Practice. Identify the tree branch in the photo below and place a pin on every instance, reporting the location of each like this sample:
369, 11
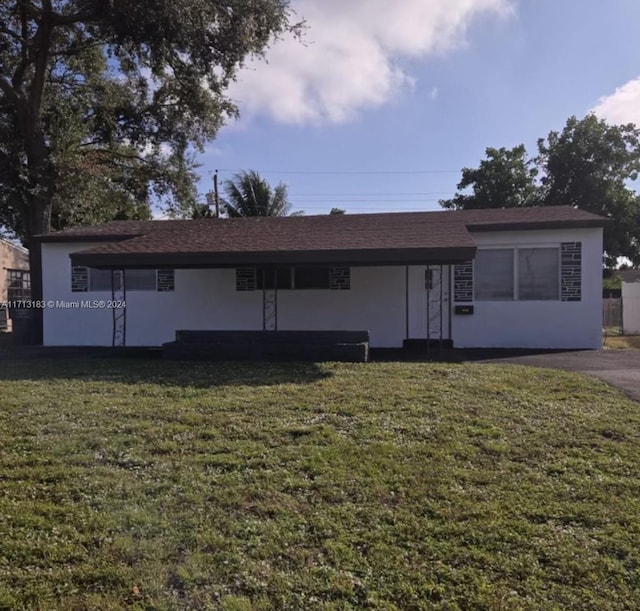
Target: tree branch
10, 93
42, 41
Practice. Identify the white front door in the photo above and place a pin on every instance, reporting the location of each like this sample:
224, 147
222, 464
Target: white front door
428, 297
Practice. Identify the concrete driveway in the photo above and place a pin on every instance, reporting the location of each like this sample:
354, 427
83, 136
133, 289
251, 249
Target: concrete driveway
620, 368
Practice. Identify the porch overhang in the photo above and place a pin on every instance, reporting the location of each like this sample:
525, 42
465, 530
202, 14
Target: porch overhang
351, 257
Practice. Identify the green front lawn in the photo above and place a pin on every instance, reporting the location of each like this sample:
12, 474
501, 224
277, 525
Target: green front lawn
141, 484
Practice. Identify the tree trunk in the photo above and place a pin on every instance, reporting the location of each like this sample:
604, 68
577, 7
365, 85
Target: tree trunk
38, 216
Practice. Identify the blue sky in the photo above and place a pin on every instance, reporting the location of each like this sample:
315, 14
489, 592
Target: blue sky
385, 102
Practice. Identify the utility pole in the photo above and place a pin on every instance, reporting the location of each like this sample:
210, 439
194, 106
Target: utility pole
215, 194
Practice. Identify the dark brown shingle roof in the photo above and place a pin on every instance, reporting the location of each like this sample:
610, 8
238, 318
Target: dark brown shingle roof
381, 238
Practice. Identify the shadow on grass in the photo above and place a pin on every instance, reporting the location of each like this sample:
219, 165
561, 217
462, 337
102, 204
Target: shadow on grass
457, 355
138, 371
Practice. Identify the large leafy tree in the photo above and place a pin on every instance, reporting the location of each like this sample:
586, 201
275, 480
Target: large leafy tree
505, 179
103, 102
590, 164
248, 194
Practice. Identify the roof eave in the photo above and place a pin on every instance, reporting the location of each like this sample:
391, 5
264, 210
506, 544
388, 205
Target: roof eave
50, 238
364, 257
537, 225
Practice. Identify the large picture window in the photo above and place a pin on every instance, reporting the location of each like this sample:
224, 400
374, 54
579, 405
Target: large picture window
538, 274
494, 274
524, 274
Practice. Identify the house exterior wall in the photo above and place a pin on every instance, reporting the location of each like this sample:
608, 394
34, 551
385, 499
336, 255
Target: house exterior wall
11, 257
631, 308
207, 299
538, 324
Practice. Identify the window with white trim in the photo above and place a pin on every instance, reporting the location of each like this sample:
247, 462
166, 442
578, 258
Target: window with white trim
520, 273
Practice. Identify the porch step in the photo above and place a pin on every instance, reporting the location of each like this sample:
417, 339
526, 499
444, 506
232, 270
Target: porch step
423, 344
350, 346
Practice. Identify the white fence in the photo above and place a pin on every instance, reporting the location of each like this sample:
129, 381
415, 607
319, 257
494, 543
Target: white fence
631, 315
631, 308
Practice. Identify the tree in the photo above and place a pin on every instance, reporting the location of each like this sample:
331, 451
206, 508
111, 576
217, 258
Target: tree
335, 211
506, 179
589, 165
110, 99
248, 194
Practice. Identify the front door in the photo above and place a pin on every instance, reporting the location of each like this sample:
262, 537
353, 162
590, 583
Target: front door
428, 307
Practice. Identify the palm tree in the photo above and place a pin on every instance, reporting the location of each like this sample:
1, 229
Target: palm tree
248, 194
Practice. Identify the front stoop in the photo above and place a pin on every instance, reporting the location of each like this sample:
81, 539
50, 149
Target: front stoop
315, 346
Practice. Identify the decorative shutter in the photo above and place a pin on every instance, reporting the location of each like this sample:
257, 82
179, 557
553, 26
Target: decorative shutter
340, 278
246, 279
79, 279
463, 282
165, 280
571, 271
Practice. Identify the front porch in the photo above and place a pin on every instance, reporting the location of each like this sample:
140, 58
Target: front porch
374, 306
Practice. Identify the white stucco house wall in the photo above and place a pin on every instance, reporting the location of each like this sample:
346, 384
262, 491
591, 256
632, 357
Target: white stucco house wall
488, 278
631, 302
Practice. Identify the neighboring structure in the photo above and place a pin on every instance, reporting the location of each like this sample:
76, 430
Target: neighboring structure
527, 278
14, 278
631, 302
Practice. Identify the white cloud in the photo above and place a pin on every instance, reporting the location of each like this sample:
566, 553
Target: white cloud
433, 94
622, 106
349, 58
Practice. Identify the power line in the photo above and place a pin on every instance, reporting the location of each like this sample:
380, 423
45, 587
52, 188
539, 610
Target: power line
369, 200
347, 172
386, 194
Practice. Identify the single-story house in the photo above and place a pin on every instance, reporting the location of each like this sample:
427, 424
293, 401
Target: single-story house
526, 278
631, 301
14, 278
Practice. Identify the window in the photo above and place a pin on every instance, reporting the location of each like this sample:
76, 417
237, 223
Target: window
494, 274
267, 278
294, 278
100, 279
94, 279
311, 278
18, 285
538, 273
525, 274
140, 279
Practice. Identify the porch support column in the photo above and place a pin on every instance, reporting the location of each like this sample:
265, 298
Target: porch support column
269, 301
450, 303
441, 305
429, 286
119, 308
406, 301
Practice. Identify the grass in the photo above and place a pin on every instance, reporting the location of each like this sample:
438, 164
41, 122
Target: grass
621, 342
134, 484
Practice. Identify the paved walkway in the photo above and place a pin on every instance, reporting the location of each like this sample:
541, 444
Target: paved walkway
620, 368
